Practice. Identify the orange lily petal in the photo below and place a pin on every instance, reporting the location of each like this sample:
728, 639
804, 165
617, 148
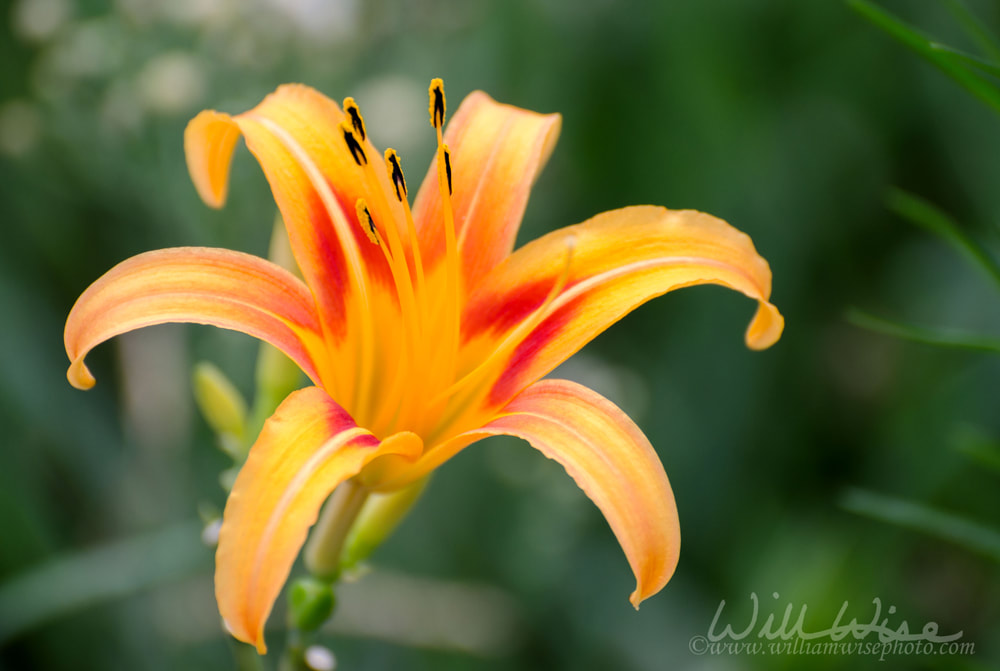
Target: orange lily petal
202, 285
296, 137
308, 447
497, 152
610, 265
604, 452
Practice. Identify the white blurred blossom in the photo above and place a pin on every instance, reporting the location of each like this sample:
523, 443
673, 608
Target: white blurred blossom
172, 82
39, 20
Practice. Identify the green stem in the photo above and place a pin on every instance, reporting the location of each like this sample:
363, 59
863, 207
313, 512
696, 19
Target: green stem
246, 656
326, 543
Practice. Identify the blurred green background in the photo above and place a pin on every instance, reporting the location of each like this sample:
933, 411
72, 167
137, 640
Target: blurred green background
790, 119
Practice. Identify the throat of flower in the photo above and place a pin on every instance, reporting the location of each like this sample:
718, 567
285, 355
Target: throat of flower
462, 391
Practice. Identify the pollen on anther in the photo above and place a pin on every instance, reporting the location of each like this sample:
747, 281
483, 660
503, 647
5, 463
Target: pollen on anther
396, 173
365, 220
447, 165
357, 151
437, 106
357, 122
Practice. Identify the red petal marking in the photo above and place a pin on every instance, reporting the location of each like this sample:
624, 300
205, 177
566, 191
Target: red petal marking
511, 380
501, 313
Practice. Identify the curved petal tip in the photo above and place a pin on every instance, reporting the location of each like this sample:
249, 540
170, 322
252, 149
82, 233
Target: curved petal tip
766, 327
79, 375
209, 140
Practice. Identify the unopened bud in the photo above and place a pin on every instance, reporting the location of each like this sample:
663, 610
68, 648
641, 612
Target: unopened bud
223, 408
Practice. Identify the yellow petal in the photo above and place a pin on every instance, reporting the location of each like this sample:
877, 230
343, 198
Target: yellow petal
308, 447
604, 452
201, 285
209, 140
619, 260
497, 152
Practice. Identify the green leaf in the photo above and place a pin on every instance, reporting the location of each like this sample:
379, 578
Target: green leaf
974, 28
930, 218
965, 533
926, 336
961, 58
972, 82
83, 579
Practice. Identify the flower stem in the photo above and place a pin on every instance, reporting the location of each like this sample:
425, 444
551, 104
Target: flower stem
246, 657
326, 543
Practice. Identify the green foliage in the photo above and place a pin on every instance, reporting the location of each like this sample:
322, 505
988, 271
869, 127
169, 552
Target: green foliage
970, 535
965, 69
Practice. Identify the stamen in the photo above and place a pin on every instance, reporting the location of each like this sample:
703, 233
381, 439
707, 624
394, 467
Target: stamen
437, 105
366, 221
399, 182
409, 358
357, 152
396, 173
447, 166
388, 238
452, 311
357, 121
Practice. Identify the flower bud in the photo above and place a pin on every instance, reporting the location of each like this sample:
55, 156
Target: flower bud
310, 603
223, 407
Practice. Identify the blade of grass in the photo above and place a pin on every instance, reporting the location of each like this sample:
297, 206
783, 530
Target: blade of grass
97, 575
926, 336
930, 218
965, 533
974, 28
962, 58
969, 80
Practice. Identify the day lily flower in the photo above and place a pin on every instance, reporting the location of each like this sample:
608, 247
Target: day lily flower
421, 330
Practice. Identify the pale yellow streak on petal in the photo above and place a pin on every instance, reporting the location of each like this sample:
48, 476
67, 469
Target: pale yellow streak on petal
201, 285
621, 260
603, 451
308, 447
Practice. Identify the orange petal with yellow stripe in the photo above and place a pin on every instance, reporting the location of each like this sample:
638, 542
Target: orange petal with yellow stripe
308, 447
607, 266
607, 456
200, 285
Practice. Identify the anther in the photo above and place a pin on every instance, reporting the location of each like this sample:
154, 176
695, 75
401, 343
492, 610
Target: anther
396, 173
357, 122
437, 106
357, 152
447, 166
365, 220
